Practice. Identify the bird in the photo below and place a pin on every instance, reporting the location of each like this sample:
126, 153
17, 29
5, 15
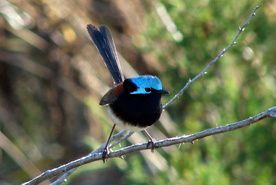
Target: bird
134, 104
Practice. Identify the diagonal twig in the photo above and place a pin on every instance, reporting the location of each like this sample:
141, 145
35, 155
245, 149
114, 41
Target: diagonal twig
203, 72
100, 149
161, 143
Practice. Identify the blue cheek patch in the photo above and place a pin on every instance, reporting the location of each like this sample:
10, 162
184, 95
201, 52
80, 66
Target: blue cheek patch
146, 81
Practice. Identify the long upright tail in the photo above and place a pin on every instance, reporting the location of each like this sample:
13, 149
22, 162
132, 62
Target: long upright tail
105, 44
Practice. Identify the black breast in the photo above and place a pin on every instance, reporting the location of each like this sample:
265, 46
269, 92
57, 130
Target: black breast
139, 110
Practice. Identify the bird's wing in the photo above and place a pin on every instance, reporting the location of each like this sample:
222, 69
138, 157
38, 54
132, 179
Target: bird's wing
112, 94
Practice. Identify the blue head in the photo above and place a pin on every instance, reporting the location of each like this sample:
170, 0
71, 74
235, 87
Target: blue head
145, 84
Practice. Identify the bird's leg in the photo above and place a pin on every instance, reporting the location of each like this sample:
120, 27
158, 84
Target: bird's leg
151, 142
106, 151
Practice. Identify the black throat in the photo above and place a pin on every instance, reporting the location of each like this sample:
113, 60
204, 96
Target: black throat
139, 110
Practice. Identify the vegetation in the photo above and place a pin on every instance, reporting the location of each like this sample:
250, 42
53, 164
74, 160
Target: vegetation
52, 78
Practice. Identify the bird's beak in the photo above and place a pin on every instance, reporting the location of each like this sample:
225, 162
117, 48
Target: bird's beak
162, 91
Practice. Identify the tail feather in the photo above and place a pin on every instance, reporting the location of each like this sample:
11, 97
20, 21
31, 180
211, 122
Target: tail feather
105, 44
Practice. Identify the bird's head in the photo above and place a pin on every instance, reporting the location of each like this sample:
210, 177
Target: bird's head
145, 84
141, 85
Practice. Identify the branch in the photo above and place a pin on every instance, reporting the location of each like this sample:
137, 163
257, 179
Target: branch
65, 175
161, 143
68, 168
203, 72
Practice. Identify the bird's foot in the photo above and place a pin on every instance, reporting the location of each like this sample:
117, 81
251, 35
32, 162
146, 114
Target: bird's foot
105, 154
151, 144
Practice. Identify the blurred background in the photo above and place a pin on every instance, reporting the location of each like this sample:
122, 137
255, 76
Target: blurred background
52, 78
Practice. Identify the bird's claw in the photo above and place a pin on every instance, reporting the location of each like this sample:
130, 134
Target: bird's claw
105, 155
151, 144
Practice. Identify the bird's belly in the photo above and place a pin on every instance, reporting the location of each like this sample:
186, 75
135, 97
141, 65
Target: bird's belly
122, 124
138, 111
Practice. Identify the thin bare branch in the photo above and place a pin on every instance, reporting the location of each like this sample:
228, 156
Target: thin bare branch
100, 149
159, 144
203, 72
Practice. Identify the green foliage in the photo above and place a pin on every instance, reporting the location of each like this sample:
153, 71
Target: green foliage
53, 80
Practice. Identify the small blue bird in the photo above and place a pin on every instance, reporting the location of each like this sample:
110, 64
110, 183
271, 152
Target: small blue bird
135, 103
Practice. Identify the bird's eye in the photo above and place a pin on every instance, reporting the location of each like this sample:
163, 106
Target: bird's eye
148, 89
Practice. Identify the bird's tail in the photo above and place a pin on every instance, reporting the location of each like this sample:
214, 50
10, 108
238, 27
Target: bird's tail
105, 44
